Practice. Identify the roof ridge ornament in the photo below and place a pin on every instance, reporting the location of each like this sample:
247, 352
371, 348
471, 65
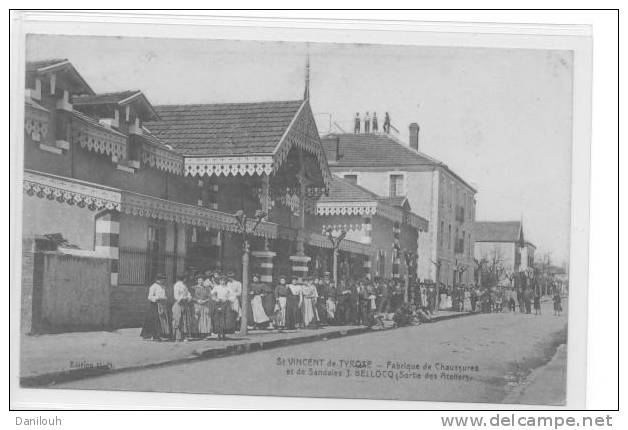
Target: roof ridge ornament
306, 93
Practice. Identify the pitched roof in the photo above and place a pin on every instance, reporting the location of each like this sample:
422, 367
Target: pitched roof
104, 98
497, 231
399, 201
54, 65
33, 66
372, 150
376, 150
224, 129
121, 98
341, 190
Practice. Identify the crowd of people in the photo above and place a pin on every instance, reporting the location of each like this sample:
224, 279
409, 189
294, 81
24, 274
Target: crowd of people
210, 304
496, 299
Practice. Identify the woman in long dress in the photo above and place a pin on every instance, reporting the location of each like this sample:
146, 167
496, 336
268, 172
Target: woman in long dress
281, 297
182, 318
235, 288
330, 304
223, 321
310, 296
269, 302
202, 307
467, 301
258, 314
156, 324
293, 304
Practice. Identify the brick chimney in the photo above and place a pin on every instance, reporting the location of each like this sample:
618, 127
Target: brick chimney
338, 150
414, 136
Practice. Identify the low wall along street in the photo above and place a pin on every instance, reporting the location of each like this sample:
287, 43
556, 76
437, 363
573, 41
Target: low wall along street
75, 292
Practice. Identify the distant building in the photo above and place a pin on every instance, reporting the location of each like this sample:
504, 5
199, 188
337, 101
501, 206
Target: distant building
368, 219
388, 167
527, 256
504, 241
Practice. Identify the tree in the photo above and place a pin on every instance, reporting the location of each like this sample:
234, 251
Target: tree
491, 268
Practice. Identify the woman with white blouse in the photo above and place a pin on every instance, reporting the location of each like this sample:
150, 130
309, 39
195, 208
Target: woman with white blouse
156, 325
182, 318
223, 316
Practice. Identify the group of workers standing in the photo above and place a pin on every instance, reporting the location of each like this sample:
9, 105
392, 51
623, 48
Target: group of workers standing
371, 124
211, 304
204, 305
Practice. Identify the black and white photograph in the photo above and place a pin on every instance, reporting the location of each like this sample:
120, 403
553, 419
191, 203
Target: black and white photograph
296, 218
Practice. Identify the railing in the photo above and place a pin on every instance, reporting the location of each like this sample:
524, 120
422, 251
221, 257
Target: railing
159, 157
95, 137
36, 122
139, 266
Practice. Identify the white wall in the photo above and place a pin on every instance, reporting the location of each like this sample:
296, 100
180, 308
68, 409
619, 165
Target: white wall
432, 195
420, 187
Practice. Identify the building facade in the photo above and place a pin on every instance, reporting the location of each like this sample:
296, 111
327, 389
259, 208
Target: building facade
384, 165
392, 231
153, 189
504, 242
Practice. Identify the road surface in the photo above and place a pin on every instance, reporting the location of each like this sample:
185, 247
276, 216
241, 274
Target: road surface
478, 358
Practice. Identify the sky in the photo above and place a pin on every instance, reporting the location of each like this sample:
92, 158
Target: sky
499, 118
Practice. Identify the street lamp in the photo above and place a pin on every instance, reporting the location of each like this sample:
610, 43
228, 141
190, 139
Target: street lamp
245, 228
335, 237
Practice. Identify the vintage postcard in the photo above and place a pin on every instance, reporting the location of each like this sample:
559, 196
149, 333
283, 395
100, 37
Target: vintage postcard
296, 218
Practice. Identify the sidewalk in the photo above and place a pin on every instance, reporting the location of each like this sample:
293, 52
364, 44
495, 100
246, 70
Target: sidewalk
54, 358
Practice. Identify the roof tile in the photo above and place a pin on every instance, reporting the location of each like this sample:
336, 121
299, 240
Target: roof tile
497, 231
224, 129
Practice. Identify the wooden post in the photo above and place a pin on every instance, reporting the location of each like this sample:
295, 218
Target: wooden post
335, 266
245, 285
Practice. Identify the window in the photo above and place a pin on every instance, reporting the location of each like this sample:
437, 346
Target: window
451, 194
396, 185
469, 244
442, 233
155, 250
352, 179
381, 263
449, 238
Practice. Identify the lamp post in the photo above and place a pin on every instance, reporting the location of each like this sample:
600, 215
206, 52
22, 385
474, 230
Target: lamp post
245, 228
335, 240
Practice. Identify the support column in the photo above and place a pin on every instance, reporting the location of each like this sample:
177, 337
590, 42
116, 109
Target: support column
367, 265
396, 251
300, 260
367, 237
264, 262
299, 265
107, 240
